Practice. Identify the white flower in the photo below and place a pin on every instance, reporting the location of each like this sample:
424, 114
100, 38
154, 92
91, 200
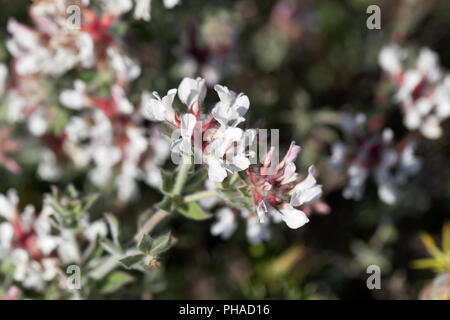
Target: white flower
183, 145
105, 157
67, 250
86, 46
37, 124
75, 98
408, 163
357, 177
192, 90
256, 231
142, 10
48, 168
8, 205
428, 64
159, 109
387, 192
225, 225
77, 129
293, 218
3, 76
6, 238
231, 107
169, 4
443, 99
338, 154
117, 7
217, 149
96, 229
121, 100
431, 128
124, 67
306, 191
391, 58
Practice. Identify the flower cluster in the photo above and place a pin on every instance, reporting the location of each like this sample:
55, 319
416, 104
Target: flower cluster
37, 247
220, 142
108, 134
423, 92
50, 50
367, 151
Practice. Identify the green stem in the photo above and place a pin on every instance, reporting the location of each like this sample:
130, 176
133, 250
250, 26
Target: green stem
234, 178
151, 224
181, 178
200, 195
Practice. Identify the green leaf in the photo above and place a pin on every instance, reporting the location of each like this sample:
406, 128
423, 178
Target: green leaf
94, 250
193, 211
161, 244
146, 244
167, 204
129, 261
111, 247
168, 182
143, 218
196, 178
113, 227
114, 281
88, 201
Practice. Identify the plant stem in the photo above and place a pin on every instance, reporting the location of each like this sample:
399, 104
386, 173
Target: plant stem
151, 223
199, 195
234, 178
181, 178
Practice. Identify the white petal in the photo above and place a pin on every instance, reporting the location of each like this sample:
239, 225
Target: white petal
430, 128
308, 182
188, 122
191, 90
306, 196
294, 218
387, 193
215, 171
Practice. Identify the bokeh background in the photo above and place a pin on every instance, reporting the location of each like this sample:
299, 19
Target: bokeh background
301, 63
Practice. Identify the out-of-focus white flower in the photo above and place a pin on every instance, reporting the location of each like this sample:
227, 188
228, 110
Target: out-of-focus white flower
8, 204
422, 91
125, 68
338, 153
391, 59
443, 99
169, 4
75, 98
143, 9
97, 229
225, 225
3, 76
37, 124
105, 157
117, 7
375, 155
428, 64
257, 231
48, 168
357, 176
